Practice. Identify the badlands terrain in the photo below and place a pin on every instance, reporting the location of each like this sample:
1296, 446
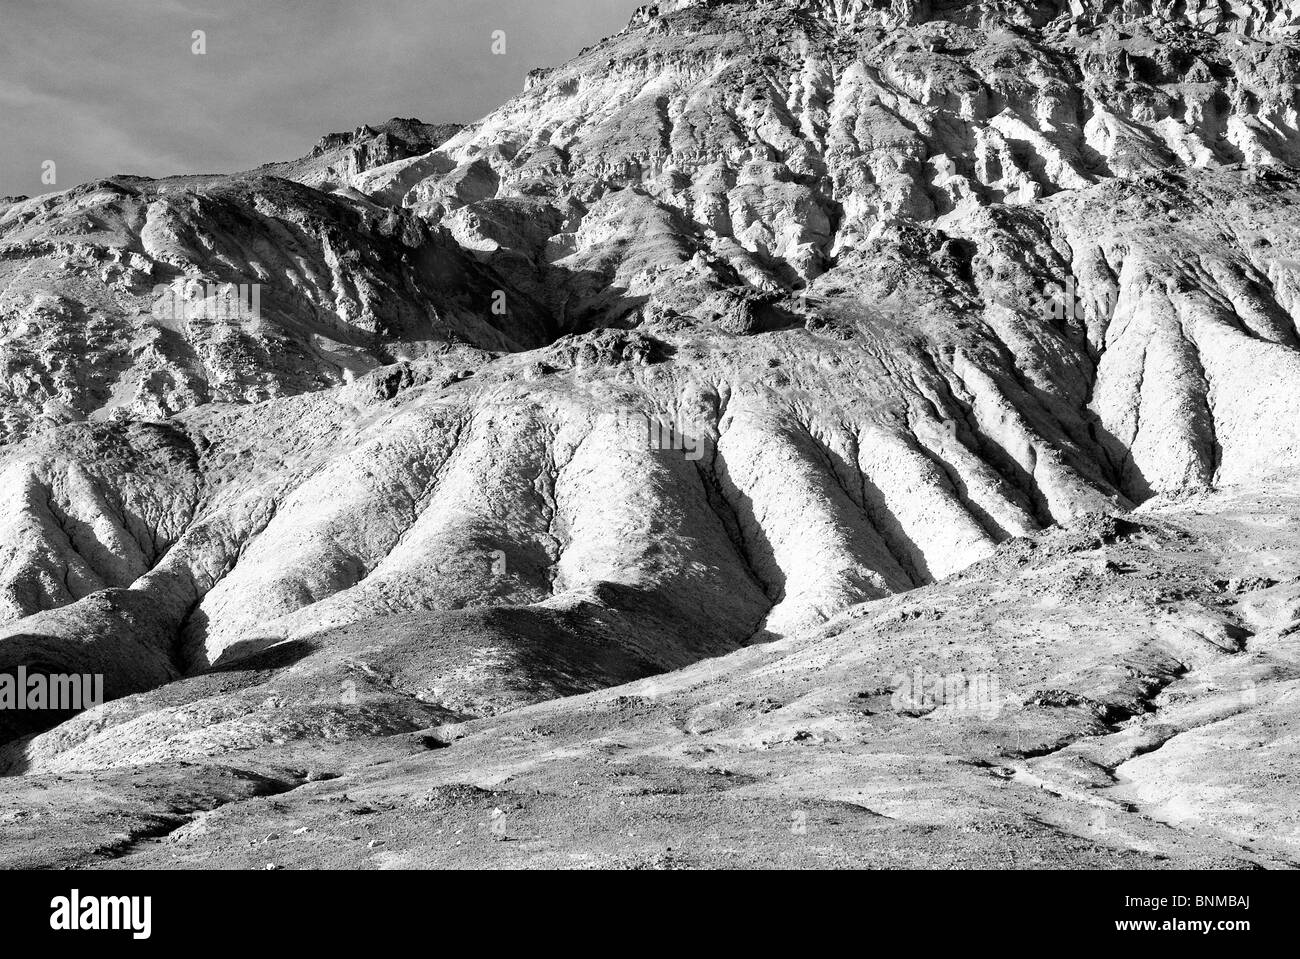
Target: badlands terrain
790, 433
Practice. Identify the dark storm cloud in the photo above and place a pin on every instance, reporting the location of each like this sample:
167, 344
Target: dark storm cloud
111, 86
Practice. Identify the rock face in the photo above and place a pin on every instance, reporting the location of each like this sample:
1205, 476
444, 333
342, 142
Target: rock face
339, 157
744, 322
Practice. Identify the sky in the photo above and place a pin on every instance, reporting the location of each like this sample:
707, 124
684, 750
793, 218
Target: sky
101, 87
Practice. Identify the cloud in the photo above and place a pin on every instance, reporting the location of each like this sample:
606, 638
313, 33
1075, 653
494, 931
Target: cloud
112, 86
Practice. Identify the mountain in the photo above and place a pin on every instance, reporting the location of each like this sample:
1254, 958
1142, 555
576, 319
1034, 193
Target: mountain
804, 364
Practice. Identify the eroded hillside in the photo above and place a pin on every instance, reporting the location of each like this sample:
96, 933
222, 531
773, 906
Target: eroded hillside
744, 317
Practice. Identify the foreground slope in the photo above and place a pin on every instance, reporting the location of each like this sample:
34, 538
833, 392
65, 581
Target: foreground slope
992, 720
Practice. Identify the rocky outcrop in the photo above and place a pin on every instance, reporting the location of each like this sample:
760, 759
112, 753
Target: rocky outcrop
137, 298
1250, 17
339, 158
